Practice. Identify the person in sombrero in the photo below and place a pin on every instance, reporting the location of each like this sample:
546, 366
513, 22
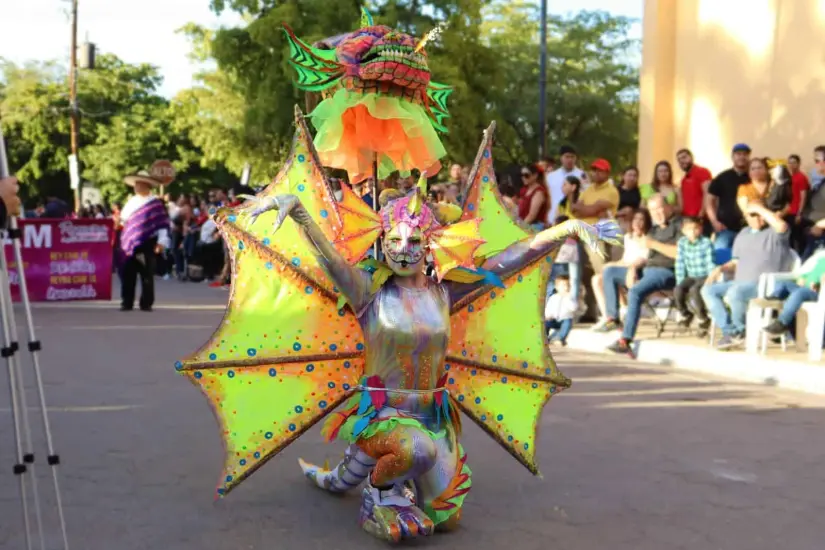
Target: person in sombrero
145, 233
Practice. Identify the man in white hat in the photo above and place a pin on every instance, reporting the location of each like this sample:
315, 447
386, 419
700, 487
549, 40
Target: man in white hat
145, 233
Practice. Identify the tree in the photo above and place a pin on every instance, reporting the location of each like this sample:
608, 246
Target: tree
242, 111
592, 89
125, 126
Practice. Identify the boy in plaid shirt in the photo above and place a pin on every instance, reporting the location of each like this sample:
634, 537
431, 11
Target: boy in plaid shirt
694, 262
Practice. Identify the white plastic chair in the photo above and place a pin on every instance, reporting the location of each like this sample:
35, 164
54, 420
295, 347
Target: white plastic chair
760, 312
815, 330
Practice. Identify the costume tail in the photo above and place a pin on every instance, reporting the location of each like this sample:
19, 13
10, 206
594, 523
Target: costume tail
350, 472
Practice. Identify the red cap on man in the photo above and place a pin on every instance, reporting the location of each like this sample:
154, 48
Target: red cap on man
600, 164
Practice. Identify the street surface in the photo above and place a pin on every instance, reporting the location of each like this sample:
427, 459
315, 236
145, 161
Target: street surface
634, 457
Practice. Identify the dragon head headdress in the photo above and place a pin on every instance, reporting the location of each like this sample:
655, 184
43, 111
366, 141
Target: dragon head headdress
379, 101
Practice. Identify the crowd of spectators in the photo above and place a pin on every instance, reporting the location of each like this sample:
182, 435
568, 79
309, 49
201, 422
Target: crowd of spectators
698, 240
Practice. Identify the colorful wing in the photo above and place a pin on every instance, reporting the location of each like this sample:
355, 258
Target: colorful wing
284, 354
501, 373
499, 228
361, 226
455, 246
317, 69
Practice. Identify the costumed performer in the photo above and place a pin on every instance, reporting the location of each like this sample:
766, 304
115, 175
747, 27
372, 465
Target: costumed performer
390, 354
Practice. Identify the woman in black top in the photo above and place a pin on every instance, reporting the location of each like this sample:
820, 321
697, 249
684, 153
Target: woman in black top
629, 196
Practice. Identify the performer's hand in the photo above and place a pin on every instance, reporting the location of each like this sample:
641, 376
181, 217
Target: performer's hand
286, 205
159, 248
9, 190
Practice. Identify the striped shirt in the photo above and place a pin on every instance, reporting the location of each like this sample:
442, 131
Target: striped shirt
693, 259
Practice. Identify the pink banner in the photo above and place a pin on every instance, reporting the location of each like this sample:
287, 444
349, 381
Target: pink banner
64, 260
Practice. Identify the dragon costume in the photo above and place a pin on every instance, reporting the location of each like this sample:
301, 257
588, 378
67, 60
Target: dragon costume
379, 106
387, 354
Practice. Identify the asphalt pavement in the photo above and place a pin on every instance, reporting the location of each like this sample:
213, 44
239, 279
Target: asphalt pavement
634, 457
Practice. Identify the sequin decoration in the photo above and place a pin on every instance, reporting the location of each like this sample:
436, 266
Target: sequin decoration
509, 411
482, 332
298, 178
499, 228
276, 312
260, 412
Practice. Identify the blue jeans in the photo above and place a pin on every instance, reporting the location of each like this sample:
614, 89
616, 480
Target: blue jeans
653, 279
561, 329
794, 296
737, 296
573, 271
724, 239
812, 244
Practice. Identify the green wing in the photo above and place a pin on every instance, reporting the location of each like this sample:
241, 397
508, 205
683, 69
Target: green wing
284, 354
317, 69
501, 373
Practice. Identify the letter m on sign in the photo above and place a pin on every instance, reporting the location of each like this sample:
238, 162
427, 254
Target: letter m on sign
37, 236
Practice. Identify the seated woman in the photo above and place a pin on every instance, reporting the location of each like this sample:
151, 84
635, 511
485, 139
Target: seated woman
534, 203
769, 186
635, 254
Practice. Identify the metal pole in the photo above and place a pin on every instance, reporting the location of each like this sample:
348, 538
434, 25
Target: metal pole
75, 121
20, 467
18, 400
542, 127
375, 247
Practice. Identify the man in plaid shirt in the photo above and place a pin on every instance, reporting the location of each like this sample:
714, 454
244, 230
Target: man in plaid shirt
694, 262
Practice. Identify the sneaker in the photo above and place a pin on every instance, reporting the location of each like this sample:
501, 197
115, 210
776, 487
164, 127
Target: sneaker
685, 321
609, 326
703, 329
775, 328
599, 324
729, 342
216, 284
621, 345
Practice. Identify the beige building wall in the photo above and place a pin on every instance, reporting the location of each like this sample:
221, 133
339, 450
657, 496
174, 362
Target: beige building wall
718, 72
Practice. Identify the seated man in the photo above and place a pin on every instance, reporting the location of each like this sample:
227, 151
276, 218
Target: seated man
805, 288
210, 249
762, 247
649, 275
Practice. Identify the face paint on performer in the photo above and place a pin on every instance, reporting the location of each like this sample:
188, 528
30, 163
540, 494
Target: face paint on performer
405, 249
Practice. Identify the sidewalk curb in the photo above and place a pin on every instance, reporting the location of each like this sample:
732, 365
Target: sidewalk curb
737, 365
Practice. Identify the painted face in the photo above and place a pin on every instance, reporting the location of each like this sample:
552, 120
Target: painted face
405, 249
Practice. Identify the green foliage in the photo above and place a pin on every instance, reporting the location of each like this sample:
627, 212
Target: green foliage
125, 126
489, 54
241, 111
591, 86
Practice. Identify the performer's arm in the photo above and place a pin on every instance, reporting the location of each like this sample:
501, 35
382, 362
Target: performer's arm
525, 252
353, 282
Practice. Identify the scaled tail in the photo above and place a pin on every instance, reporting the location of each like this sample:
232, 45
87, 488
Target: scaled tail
348, 474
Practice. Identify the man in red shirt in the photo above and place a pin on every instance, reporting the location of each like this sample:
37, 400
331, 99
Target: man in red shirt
694, 185
800, 187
